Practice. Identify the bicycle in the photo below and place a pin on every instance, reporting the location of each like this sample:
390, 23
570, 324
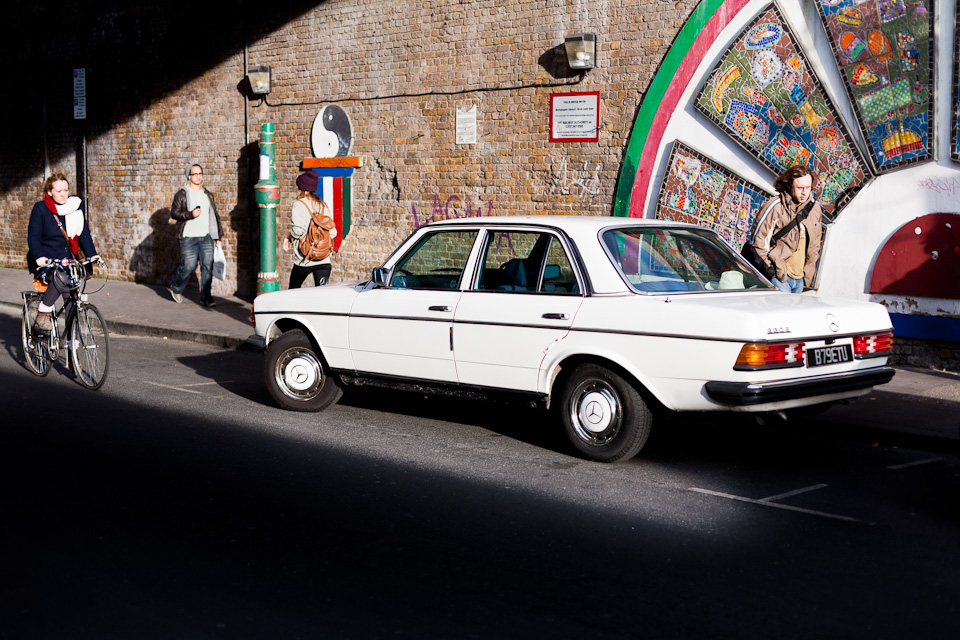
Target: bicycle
88, 342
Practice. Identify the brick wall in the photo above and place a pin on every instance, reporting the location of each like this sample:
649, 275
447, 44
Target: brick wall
485, 54
159, 101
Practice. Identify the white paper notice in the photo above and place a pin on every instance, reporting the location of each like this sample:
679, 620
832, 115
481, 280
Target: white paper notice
467, 126
575, 116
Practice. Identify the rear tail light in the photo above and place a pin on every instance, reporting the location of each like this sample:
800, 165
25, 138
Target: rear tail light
774, 355
871, 346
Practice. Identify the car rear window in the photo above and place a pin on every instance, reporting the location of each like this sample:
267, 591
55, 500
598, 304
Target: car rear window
673, 260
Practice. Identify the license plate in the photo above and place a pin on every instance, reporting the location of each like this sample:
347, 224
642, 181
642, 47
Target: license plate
835, 354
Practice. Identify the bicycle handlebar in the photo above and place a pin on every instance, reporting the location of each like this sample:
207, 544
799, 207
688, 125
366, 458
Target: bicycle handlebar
64, 264
75, 270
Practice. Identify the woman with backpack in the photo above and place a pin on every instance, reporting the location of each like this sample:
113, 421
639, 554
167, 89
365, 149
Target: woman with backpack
312, 231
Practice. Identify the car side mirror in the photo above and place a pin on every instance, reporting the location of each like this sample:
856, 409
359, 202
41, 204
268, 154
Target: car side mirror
380, 276
551, 272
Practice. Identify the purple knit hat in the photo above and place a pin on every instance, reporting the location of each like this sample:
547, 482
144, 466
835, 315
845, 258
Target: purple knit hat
308, 181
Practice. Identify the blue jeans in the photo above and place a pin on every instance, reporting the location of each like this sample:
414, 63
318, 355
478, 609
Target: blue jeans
192, 250
792, 285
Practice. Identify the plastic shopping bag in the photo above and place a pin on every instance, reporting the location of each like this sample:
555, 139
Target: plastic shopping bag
219, 263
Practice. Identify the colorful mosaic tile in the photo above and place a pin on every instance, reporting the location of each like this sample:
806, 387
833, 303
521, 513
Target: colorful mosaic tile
795, 122
888, 81
699, 190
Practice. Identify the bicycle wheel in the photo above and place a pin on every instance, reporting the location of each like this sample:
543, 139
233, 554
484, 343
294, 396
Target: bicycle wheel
34, 349
89, 346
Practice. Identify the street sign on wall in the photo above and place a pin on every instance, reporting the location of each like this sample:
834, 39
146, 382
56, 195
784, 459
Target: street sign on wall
79, 94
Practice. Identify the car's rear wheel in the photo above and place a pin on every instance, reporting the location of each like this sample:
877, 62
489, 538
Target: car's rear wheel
296, 377
604, 416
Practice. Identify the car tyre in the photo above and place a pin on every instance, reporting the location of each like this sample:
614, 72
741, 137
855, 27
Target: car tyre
296, 377
604, 416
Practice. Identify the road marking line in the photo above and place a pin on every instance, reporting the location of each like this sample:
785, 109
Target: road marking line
167, 386
811, 512
793, 493
914, 464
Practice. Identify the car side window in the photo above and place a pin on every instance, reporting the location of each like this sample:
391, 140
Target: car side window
558, 275
527, 262
436, 262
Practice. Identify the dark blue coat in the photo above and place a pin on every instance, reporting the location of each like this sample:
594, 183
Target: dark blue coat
46, 241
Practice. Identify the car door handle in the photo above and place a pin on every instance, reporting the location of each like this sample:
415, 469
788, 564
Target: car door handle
439, 307
554, 316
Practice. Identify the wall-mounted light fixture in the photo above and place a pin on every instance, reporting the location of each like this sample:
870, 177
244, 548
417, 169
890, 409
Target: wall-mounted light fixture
581, 50
259, 79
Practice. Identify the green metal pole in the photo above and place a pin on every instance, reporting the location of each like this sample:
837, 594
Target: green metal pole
268, 197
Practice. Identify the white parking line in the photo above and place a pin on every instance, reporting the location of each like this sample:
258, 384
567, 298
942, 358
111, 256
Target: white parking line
792, 493
914, 464
168, 386
767, 503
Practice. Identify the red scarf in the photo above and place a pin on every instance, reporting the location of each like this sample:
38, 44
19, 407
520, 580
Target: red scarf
47, 200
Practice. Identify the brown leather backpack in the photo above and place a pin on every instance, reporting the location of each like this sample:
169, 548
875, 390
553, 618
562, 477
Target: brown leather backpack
316, 244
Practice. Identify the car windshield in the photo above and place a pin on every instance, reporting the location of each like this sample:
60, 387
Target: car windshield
676, 259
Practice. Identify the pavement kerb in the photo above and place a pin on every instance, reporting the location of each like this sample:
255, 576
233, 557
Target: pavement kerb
138, 330
129, 329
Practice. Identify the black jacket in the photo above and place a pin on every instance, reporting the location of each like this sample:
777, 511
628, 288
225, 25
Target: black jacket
45, 239
178, 212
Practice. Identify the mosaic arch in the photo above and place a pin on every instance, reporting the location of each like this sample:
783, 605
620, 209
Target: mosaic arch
884, 50
650, 156
914, 60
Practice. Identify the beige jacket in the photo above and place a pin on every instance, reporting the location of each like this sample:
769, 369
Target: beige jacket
774, 219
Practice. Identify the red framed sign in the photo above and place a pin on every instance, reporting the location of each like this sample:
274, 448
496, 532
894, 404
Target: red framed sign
575, 117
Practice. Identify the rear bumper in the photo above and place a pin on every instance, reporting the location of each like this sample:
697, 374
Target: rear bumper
754, 393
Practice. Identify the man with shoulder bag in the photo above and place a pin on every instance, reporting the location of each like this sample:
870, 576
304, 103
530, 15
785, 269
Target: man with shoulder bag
789, 232
199, 231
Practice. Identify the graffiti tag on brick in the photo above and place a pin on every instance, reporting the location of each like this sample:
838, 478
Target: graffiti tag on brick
583, 182
449, 209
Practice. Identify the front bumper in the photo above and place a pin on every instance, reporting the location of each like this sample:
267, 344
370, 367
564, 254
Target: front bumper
754, 393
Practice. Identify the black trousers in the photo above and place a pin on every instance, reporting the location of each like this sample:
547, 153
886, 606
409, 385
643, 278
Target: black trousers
321, 274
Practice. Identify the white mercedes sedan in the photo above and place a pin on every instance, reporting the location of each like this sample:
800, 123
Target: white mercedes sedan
606, 322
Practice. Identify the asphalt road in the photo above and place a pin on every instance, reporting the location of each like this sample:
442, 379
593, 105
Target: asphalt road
177, 502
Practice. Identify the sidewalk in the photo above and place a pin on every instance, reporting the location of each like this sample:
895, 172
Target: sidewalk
917, 402
148, 310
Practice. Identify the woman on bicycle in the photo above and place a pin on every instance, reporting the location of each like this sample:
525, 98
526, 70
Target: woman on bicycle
57, 228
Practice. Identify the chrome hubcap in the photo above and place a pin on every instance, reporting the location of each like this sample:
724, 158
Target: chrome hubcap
299, 374
595, 413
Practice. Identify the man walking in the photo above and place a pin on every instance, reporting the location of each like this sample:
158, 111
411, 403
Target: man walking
199, 231
790, 230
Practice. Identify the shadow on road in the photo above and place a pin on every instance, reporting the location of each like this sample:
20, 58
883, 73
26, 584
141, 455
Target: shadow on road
123, 522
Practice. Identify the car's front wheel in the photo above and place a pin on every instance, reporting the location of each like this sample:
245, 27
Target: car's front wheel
296, 377
604, 416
